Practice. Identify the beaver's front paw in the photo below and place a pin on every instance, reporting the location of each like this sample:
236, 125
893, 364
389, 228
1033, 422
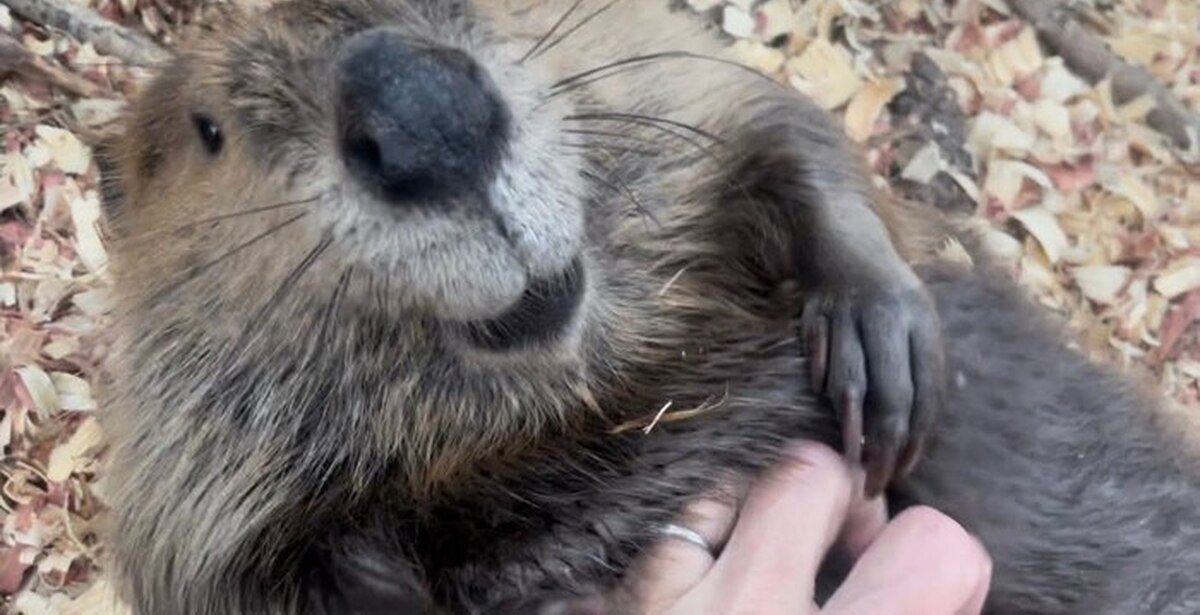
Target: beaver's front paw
876, 354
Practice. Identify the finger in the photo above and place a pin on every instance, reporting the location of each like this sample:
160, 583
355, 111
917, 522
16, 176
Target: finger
953, 572
674, 566
847, 381
979, 599
787, 524
815, 329
929, 393
865, 519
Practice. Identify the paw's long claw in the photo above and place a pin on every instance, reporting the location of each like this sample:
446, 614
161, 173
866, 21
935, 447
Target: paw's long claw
910, 456
850, 412
847, 380
929, 390
816, 339
880, 462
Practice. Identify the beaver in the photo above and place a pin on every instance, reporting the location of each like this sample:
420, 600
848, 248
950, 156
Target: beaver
446, 306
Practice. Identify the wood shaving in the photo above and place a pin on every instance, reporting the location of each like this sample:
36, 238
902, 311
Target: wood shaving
1181, 277
1101, 283
824, 72
1044, 227
868, 105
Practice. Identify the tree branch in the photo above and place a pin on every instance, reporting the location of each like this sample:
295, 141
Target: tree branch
1091, 59
108, 37
15, 58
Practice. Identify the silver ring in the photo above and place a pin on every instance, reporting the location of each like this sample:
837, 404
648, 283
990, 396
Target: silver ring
685, 534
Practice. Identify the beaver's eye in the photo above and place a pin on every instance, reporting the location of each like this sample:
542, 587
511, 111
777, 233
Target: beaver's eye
210, 135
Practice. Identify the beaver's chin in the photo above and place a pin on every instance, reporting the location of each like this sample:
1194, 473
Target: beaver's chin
542, 315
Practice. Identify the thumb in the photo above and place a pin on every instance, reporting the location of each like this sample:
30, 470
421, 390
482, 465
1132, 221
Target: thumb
790, 519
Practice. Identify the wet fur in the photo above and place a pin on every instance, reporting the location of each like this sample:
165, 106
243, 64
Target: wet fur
371, 465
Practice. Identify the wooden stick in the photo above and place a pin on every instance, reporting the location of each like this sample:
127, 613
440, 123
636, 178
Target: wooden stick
15, 58
86, 25
1091, 59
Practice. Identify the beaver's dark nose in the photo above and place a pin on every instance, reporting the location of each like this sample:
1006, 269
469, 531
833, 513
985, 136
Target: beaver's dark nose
417, 122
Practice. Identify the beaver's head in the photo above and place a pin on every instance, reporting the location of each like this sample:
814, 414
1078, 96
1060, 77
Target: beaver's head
406, 142
376, 204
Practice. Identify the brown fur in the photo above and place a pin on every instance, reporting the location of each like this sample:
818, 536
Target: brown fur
301, 424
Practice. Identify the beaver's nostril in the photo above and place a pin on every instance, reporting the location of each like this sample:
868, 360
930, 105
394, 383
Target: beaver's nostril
416, 123
362, 151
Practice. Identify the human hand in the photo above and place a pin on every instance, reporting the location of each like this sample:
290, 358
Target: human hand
921, 562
